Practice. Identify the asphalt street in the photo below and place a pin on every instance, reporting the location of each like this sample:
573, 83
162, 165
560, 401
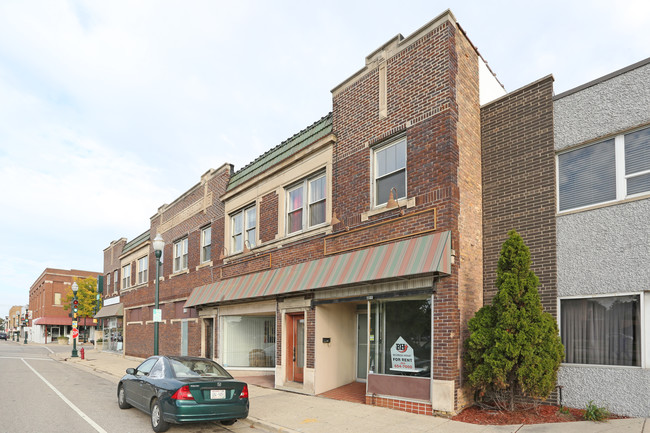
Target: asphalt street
40, 394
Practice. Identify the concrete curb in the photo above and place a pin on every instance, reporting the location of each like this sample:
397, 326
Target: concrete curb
267, 426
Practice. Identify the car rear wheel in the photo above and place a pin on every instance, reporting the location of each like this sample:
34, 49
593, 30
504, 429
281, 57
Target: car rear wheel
228, 421
121, 398
158, 424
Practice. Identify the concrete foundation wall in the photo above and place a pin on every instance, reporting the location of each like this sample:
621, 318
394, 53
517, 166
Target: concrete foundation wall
623, 391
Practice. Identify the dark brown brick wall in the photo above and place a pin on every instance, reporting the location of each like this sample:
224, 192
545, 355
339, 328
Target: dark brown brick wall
415, 91
311, 337
268, 217
519, 183
433, 99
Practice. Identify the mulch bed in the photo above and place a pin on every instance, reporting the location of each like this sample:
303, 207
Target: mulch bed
541, 414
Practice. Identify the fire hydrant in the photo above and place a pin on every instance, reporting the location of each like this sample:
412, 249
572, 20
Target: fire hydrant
82, 353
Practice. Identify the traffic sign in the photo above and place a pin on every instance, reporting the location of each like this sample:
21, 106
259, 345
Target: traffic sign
75, 333
74, 324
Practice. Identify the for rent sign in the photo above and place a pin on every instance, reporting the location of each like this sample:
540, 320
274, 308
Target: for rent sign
402, 357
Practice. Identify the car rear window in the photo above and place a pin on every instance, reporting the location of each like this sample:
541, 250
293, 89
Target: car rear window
195, 368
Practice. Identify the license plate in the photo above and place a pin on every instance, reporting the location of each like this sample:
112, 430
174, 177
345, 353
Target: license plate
217, 394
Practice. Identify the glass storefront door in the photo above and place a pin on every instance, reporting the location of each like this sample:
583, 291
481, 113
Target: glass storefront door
113, 340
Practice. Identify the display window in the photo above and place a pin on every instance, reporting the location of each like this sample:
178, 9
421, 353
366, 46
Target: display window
400, 337
248, 341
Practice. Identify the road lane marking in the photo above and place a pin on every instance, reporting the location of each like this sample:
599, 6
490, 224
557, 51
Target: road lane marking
68, 402
22, 357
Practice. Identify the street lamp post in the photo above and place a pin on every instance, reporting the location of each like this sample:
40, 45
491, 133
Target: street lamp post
26, 324
158, 245
75, 287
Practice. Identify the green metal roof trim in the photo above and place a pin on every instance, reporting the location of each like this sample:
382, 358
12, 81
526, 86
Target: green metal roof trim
138, 240
287, 148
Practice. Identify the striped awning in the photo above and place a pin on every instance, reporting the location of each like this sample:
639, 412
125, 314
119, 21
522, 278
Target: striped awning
424, 255
49, 320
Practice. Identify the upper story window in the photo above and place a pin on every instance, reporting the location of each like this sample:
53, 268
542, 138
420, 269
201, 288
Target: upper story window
637, 161
389, 171
603, 172
126, 276
143, 269
180, 255
206, 242
108, 281
57, 299
306, 204
243, 225
116, 282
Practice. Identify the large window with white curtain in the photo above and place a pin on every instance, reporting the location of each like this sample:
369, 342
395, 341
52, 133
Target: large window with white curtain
247, 341
602, 330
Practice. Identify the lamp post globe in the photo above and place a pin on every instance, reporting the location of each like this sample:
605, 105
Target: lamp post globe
158, 245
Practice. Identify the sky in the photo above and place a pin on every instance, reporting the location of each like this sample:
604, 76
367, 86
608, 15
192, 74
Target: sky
110, 109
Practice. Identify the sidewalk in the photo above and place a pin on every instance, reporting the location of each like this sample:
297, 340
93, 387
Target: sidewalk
285, 412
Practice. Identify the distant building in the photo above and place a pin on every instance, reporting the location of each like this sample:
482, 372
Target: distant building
47, 295
15, 313
110, 316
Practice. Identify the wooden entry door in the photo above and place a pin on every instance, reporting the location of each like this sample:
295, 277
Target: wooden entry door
209, 340
296, 346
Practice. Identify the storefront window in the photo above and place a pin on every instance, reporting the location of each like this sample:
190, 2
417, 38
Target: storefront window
400, 337
113, 340
248, 341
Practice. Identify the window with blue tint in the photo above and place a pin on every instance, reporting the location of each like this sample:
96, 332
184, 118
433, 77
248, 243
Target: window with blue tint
637, 161
587, 175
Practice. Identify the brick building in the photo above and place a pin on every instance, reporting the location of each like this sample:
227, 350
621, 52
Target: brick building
110, 316
189, 226
47, 297
353, 251
13, 327
519, 183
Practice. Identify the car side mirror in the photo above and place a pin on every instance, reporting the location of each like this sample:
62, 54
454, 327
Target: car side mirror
130, 371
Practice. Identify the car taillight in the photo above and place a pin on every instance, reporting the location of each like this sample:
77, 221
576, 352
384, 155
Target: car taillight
244, 392
183, 393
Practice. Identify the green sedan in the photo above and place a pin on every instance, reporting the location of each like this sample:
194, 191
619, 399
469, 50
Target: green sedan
180, 389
